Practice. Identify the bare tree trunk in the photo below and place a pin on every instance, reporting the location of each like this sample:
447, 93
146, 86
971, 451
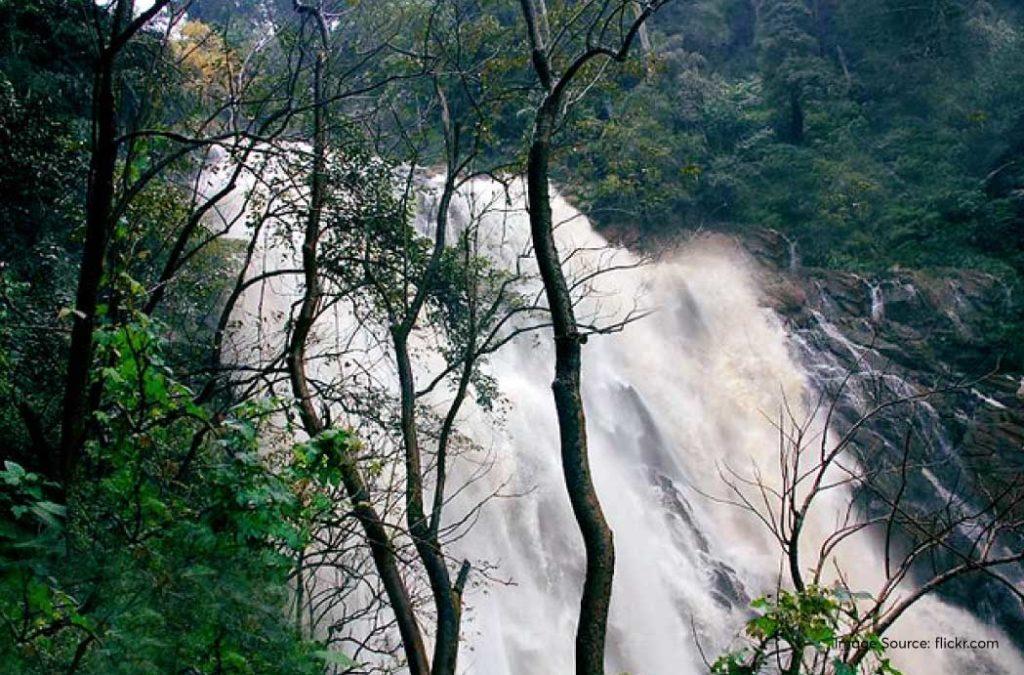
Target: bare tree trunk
846, 67
99, 200
597, 536
643, 35
447, 598
98, 204
545, 24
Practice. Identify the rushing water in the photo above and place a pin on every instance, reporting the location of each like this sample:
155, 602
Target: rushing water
672, 399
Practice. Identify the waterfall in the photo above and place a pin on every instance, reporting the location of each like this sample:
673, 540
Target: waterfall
877, 303
672, 400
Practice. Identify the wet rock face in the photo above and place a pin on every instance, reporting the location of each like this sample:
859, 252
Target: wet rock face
925, 329
904, 334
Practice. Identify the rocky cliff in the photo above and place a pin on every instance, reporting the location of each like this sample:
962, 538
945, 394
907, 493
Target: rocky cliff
919, 337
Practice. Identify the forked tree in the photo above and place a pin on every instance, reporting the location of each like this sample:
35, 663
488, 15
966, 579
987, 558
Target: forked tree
377, 262
569, 43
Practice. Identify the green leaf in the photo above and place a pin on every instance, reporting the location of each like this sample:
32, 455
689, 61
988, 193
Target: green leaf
13, 474
842, 668
820, 635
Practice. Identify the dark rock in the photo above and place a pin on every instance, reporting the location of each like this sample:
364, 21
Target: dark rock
907, 333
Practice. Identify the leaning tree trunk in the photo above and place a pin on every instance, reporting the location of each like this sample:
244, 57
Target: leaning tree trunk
381, 547
447, 596
597, 536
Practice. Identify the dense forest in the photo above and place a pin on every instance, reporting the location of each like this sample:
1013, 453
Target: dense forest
259, 262
873, 134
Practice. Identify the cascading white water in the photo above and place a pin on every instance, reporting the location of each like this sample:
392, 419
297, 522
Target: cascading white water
671, 399
877, 303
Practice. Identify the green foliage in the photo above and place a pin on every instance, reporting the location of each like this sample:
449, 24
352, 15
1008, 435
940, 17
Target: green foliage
874, 134
790, 63
321, 458
821, 628
37, 611
175, 554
